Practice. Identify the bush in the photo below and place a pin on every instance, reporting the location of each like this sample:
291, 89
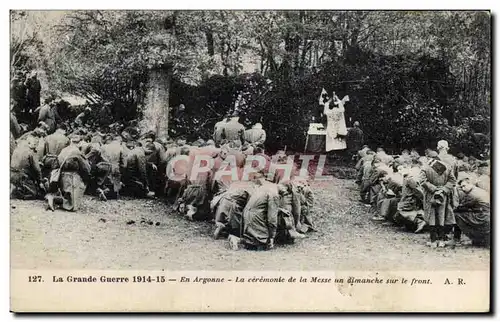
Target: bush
400, 101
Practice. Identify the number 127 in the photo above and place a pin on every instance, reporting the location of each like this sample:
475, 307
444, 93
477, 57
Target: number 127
34, 279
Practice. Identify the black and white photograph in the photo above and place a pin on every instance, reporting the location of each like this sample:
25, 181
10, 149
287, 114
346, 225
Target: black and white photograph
250, 140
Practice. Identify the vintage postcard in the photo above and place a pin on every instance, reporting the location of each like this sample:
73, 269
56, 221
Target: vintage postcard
250, 161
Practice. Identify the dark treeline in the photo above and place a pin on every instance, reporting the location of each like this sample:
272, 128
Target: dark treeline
413, 78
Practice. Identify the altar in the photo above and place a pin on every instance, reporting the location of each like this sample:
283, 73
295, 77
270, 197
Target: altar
315, 138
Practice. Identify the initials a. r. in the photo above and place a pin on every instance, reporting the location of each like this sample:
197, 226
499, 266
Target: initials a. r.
460, 281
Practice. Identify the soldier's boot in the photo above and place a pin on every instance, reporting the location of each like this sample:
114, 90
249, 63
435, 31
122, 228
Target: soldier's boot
50, 201
218, 229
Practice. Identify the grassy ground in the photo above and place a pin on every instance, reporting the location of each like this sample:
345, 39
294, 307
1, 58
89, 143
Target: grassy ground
102, 236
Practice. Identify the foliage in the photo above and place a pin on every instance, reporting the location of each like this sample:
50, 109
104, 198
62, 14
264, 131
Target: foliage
400, 102
106, 55
413, 77
26, 47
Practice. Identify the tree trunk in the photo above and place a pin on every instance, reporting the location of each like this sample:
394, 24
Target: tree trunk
210, 42
156, 107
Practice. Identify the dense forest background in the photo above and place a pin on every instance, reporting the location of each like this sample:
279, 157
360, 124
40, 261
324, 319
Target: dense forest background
413, 77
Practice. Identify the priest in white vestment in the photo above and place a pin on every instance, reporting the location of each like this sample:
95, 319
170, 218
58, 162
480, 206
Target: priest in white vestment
336, 129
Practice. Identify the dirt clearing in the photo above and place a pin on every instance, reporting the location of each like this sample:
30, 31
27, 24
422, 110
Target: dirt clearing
147, 234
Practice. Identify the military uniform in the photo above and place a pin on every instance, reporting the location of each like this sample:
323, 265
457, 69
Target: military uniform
354, 139
218, 132
233, 130
74, 177
115, 154
438, 208
260, 217
82, 119
473, 216
135, 177
52, 147
255, 136
25, 173
49, 116
228, 207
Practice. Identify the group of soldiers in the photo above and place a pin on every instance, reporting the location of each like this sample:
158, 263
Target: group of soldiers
61, 161
25, 93
446, 195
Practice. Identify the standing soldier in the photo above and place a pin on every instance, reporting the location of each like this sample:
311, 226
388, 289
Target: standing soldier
18, 94
219, 130
256, 135
355, 139
33, 89
438, 182
234, 130
450, 160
